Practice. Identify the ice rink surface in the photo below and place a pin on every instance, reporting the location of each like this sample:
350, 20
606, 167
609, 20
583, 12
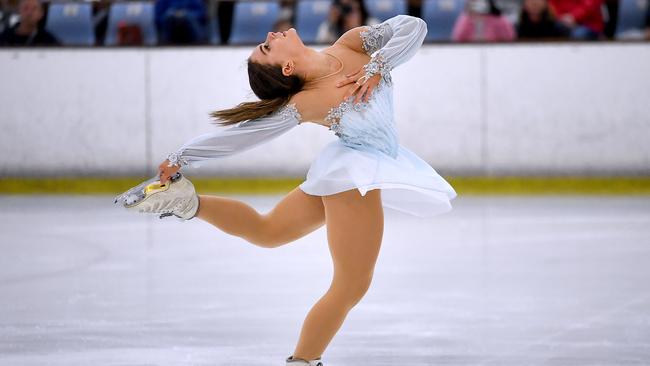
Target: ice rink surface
497, 281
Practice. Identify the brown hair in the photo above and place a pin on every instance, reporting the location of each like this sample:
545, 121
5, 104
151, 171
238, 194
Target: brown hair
270, 85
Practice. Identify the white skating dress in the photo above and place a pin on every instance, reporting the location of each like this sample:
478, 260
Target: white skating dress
367, 155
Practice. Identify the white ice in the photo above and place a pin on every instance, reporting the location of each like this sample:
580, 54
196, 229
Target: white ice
498, 281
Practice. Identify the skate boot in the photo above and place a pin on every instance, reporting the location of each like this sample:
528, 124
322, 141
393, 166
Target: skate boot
300, 362
176, 197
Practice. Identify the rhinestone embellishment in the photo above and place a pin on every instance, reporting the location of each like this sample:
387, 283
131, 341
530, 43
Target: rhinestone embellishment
177, 159
372, 36
336, 113
290, 111
378, 65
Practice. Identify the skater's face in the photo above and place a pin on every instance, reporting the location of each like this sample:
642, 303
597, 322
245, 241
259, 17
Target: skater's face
279, 48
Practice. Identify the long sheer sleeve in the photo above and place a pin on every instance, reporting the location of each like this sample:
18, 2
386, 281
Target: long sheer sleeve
240, 137
392, 42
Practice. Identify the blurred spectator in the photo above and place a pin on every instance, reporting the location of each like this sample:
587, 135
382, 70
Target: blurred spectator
647, 24
4, 15
610, 18
181, 21
583, 17
537, 21
129, 34
344, 15
415, 8
287, 8
482, 21
100, 19
225, 12
285, 19
30, 30
282, 25
510, 9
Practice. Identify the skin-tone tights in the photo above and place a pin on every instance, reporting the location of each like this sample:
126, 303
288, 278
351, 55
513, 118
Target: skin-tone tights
355, 226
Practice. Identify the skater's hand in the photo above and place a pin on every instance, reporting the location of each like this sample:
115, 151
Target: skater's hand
165, 172
360, 89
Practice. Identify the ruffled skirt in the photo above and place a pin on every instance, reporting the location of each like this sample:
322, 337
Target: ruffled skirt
407, 182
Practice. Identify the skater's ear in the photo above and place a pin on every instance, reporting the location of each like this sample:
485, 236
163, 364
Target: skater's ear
288, 68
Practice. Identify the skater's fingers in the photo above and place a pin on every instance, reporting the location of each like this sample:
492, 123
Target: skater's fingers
372, 84
345, 82
369, 90
351, 91
361, 93
350, 78
354, 73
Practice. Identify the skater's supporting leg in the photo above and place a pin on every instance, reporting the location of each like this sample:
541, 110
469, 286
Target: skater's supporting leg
296, 215
355, 227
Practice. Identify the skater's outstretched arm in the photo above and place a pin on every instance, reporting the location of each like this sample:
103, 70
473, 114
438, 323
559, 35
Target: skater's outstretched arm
224, 142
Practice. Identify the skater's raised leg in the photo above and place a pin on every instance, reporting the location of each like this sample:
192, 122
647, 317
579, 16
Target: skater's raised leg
355, 227
296, 215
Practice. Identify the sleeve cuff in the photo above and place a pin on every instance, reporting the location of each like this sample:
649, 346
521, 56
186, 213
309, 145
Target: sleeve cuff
177, 159
377, 65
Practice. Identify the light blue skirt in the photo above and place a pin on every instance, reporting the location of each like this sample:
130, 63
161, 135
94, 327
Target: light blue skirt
408, 183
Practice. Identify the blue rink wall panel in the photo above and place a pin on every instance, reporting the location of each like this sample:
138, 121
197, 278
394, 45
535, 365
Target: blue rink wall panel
526, 109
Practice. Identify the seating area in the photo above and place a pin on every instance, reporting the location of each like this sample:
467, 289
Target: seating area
79, 23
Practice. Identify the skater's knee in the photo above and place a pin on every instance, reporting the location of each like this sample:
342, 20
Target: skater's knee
264, 241
353, 286
266, 234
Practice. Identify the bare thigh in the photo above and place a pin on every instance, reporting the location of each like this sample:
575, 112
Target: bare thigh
355, 226
295, 216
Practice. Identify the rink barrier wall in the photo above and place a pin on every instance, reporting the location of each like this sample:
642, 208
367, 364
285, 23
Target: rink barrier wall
274, 185
576, 109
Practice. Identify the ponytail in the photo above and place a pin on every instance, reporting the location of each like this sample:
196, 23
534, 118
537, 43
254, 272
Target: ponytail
270, 85
248, 110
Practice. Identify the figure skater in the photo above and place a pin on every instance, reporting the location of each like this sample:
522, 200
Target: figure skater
346, 88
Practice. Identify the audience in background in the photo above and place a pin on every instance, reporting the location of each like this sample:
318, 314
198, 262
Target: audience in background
414, 8
482, 21
186, 21
510, 9
610, 17
537, 22
30, 30
100, 19
343, 16
583, 17
225, 10
4, 16
285, 19
181, 21
647, 24
286, 10
282, 25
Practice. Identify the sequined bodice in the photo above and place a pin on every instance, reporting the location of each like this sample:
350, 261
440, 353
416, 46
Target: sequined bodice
367, 125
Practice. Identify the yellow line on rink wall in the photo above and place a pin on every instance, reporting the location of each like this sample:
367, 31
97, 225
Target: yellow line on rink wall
264, 185
552, 185
119, 185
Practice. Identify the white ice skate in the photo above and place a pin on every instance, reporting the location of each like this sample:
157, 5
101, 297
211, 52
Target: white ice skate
176, 197
300, 362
